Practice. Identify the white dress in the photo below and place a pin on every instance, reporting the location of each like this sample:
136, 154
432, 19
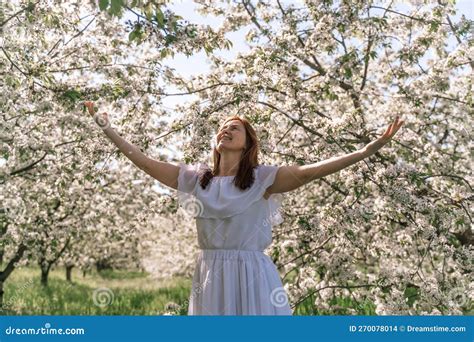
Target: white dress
233, 276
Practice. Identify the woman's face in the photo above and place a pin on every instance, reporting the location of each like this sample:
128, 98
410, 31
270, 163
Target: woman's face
231, 136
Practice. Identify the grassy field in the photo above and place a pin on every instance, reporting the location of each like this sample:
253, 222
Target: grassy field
120, 293
129, 293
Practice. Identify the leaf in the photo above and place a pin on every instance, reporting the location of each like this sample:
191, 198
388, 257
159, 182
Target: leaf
103, 4
341, 27
228, 44
332, 96
12, 82
411, 293
72, 95
207, 48
148, 11
169, 39
116, 7
174, 24
300, 161
160, 18
132, 35
351, 147
303, 222
348, 72
351, 234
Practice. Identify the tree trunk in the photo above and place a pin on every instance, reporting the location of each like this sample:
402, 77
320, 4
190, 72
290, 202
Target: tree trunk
69, 272
1, 297
45, 274
102, 265
5, 273
47, 264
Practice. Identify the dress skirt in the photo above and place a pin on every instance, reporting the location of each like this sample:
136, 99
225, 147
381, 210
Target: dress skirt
236, 282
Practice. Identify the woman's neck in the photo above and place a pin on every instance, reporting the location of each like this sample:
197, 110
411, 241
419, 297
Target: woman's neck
229, 163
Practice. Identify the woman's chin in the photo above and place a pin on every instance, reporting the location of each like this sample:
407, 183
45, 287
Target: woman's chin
225, 146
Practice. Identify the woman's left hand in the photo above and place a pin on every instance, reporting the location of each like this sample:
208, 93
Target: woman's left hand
377, 144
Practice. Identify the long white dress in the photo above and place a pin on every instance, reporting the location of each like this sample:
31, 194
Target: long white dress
233, 275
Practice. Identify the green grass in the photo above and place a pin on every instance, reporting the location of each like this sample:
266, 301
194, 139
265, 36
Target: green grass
133, 293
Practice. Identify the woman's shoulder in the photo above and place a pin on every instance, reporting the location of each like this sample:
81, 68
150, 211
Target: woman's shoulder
264, 171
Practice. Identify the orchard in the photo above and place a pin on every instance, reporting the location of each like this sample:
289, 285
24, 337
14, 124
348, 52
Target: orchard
389, 235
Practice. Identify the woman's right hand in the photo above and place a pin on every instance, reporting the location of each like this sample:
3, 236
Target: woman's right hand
101, 119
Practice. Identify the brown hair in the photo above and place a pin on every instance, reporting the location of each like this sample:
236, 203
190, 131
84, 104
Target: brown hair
245, 174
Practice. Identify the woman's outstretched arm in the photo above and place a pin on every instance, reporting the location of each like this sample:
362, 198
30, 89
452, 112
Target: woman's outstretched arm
164, 172
291, 177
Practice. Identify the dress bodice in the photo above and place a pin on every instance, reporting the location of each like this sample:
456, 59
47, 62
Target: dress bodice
226, 216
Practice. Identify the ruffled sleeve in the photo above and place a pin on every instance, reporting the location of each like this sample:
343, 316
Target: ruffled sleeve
188, 183
188, 177
266, 177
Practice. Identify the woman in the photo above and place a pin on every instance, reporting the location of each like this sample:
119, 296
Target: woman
235, 204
